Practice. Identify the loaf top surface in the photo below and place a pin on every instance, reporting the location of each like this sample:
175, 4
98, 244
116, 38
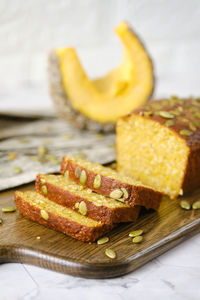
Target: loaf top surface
180, 115
39, 201
83, 192
104, 171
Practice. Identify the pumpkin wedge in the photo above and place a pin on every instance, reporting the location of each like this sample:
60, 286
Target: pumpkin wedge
97, 104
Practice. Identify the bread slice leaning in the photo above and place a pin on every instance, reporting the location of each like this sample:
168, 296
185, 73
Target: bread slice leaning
110, 183
98, 207
37, 208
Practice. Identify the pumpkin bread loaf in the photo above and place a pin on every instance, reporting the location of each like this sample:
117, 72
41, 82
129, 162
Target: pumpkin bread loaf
38, 208
159, 144
108, 182
65, 192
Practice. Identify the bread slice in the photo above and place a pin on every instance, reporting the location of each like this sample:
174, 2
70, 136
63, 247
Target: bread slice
108, 182
43, 211
98, 207
159, 144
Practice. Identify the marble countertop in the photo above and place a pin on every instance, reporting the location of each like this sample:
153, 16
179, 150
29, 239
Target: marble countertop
174, 275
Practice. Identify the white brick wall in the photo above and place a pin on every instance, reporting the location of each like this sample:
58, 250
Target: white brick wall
30, 28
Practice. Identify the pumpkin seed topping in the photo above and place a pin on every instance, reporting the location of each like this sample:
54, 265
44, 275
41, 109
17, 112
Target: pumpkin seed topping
1, 221
138, 239
83, 177
147, 113
165, 114
103, 240
110, 253
196, 205
41, 150
80, 155
169, 123
192, 127
125, 193
197, 115
185, 204
116, 194
97, 181
77, 172
82, 208
44, 190
17, 170
66, 174
8, 209
44, 214
136, 233
186, 132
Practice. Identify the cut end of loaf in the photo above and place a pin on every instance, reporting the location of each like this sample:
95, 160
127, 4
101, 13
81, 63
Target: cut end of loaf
152, 153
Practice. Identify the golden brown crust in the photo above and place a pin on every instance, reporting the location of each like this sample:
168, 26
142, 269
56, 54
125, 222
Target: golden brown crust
138, 195
58, 223
186, 117
99, 213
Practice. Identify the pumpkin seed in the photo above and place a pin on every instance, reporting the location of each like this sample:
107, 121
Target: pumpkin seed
1, 221
103, 240
125, 193
44, 190
185, 204
175, 112
147, 113
97, 181
174, 97
77, 172
38, 237
17, 170
196, 205
42, 180
44, 214
23, 140
68, 137
186, 132
12, 155
166, 114
197, 115
100, 136
66, 174
41, 150
80, 155
169, 123
136, 233
138, 239
116, 194
8, 209
82, 208
83, 177
192, 127
183, 120
110, 253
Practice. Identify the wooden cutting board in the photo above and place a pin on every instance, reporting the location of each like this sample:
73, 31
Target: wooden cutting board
162, 230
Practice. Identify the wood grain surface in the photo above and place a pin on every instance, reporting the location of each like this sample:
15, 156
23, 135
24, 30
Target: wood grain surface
55, 251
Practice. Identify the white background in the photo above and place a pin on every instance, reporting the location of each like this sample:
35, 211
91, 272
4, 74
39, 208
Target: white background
171, 30
29, 29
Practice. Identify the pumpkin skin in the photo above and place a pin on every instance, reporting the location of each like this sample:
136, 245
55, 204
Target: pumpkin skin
97, 104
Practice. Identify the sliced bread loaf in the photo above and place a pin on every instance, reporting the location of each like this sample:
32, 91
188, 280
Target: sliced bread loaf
37, 208
108, 182
98, 207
